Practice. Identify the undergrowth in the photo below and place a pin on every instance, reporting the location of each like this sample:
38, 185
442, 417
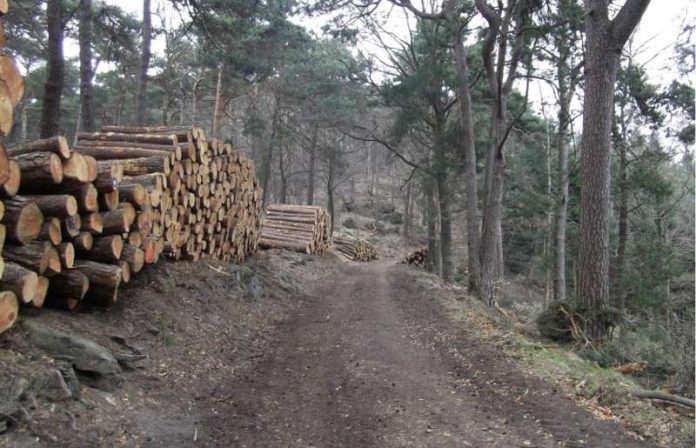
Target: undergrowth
604, 392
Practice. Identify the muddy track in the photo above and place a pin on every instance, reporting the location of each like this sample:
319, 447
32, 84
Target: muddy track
371, 361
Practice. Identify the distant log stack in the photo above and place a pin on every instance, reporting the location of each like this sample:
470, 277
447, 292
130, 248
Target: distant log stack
354, 249
11, 92
417, 258
302, 228
83, 221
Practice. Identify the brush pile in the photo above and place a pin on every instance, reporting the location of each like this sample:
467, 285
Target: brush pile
417, 258
302, 228
354, 249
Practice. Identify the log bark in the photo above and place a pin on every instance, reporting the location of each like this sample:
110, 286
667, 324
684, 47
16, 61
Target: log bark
23, 220
51, 231
71, 226
104, 280
125, 152
109, 175
40, 169
92, 223
57, 145
20, 280
659, 395
109, 201
86, 196
66, 252
9, 308
13, 183
4, 165
34, 256
71, 283
41, 293
83, 243
59, 205
159, 139
106, 248
75, 168
134, 256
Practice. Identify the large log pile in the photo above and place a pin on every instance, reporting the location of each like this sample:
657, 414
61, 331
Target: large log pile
11, 91
203, 195
354, 249
302, 228
78, 223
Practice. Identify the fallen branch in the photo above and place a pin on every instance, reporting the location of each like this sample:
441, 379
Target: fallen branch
657, 395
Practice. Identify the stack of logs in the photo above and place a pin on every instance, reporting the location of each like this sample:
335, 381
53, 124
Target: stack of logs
208, 202
75, 227
11, 92
79, 222
417, 258
302, 228
356, 250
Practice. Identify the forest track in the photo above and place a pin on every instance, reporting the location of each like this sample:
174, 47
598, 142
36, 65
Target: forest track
369, 362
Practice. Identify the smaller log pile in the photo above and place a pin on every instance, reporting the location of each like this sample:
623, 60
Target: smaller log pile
417, 258
354, 249
302, 228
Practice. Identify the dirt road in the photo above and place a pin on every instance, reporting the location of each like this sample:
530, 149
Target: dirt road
372, 361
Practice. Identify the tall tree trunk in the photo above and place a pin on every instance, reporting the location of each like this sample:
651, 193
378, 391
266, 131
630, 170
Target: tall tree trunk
86, 123
445, 227
141, 100
490, 250
469, 155
281, 169
312, 166
561, 212
330, 185
435, 258
217, 110
408, 212
623, 226
604, 40
53, 88
23, 123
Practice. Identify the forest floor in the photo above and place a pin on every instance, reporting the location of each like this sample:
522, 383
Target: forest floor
289, 350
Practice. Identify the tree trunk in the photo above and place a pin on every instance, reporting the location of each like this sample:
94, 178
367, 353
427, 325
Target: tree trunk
85, 39
469, 156
141, 103
217, 110
491, 251
604, 40
283, 174
561, 212
330, 185
53, 88
623, 227
312, 167
445, 226
408, 212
